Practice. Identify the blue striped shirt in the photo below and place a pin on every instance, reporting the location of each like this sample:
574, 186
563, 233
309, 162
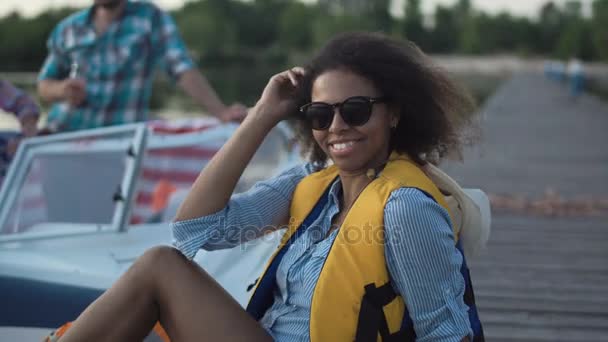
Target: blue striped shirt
117, 65
422, 260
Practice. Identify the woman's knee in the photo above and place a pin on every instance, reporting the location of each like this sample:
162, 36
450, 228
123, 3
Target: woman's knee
161, 257
156, 260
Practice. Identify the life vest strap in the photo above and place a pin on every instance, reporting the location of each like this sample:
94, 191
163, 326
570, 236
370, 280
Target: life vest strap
371, 316
263, 297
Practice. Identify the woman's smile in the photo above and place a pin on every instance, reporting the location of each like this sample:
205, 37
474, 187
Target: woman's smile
343, 147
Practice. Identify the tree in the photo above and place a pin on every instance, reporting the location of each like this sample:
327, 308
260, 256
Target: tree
574, 39
258, 22
444, 36
24, 39
550, 27
463, 8
379, 14
413, 28
326, 25
575, 42
295, 26
470, 39
599, 29
208, 29
573, 9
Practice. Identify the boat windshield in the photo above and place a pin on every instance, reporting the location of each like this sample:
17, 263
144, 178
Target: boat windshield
74, 178
103, 180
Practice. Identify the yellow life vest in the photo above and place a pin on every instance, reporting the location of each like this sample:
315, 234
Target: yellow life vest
356, 259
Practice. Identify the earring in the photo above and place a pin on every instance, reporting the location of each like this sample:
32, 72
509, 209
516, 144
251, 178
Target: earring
371, 174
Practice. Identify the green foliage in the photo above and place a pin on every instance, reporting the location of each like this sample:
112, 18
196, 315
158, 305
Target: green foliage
24, 40
295, 26
470, 39
227, 32
599, 29
550, 27
575, 41
379, 16
326, 25
208, 29
444, 35
412, 26
239, 44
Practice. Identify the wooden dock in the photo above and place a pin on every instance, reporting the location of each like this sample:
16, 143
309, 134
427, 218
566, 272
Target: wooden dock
544, 275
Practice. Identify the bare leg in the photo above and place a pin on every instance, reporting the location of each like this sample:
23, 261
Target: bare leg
163, 285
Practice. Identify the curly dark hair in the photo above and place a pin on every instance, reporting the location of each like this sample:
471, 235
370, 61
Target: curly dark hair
432, 108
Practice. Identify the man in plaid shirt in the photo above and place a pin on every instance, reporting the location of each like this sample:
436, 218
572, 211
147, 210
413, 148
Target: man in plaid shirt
101, 61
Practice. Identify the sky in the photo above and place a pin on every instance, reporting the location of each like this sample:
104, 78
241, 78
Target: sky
519, 7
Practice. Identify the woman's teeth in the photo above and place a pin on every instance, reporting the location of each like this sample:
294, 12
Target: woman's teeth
342, 146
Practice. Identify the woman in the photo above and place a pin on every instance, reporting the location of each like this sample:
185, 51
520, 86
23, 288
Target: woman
369, 248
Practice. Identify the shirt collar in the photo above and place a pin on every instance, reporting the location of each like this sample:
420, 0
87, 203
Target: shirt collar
335, 190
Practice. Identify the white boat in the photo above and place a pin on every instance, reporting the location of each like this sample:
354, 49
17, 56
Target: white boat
75, 212
76, 209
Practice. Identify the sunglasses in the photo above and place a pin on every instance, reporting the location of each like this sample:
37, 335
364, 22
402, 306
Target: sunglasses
355, 111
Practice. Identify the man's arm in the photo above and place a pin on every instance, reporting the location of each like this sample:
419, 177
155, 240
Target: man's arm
54, 83
72, 90
51, 90
50, 86
170, 47
199, 89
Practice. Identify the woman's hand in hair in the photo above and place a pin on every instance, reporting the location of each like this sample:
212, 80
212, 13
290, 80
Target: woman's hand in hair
278, 99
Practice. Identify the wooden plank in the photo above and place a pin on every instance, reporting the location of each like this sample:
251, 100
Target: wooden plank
509, 332
543, 319
570, 267
564, 305
541, 285
541, 249
554, 259
599, 298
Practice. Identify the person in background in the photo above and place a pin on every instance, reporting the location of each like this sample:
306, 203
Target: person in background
16, 101
576, 76
101, 62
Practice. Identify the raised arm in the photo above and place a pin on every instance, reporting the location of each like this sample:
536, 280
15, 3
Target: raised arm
198, 88
216, 182
171, 49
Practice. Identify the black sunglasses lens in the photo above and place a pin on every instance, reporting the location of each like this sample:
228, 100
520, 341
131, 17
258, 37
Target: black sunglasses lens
356, 112
320, 115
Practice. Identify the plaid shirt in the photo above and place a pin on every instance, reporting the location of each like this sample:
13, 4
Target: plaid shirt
117, 65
